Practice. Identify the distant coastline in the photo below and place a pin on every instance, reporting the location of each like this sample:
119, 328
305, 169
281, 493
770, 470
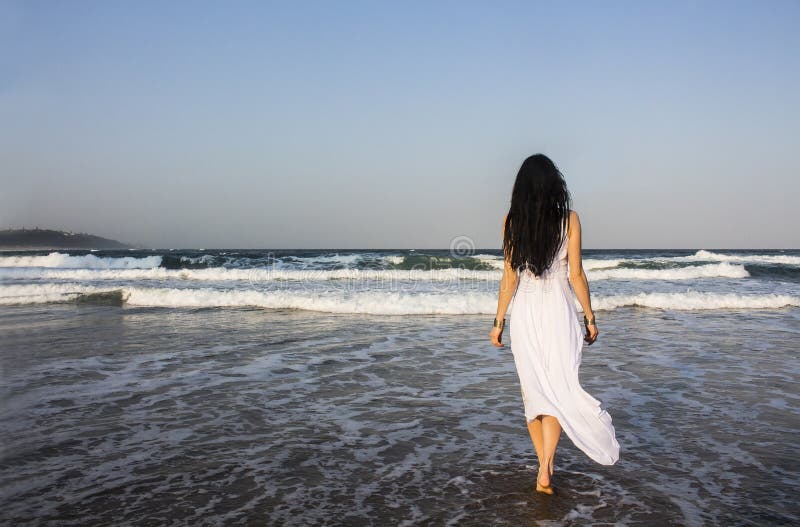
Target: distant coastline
42, 239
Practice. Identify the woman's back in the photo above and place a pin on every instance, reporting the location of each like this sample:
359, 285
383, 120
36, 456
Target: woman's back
558, 267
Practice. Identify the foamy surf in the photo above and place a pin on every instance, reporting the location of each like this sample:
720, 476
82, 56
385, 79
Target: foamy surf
89, 261
696, 300
588, 263
703, 255
720, 270
371, 302
221, 274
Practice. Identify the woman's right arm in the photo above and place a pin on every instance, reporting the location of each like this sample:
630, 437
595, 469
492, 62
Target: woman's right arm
577, 276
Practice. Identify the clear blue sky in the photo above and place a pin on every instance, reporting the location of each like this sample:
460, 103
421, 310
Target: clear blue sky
376, 125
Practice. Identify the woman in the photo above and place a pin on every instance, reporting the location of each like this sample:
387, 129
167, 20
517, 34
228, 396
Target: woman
542, 249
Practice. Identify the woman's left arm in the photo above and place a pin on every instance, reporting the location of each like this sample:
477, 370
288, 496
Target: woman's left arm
508, 286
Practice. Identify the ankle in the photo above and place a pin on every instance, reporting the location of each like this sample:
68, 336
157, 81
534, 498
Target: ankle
544, 473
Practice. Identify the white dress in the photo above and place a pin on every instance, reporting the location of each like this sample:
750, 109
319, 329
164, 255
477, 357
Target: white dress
547, 343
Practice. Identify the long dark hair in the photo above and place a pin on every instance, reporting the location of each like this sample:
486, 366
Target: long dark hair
538, 217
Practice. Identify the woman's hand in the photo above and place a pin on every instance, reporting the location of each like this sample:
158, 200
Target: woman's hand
496, 335
591, 334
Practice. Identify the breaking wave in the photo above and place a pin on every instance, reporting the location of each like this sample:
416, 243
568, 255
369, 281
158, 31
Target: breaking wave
366, 302
222, 274
703, 255
89, 261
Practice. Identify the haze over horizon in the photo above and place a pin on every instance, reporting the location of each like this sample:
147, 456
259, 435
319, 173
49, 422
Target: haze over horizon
357, 125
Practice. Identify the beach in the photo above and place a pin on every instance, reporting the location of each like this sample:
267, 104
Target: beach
360, 388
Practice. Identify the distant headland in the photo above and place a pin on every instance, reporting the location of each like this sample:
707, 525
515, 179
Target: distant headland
29, 239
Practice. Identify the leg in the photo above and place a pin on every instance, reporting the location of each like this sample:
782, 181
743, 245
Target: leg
537, 436
551, 433
535, 430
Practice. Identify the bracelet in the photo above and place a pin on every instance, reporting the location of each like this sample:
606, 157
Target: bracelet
499, 324
588, 322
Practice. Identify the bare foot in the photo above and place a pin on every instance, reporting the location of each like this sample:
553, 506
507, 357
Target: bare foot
543, 481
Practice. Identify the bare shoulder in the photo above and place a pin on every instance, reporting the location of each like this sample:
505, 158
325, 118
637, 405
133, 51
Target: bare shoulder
574, 221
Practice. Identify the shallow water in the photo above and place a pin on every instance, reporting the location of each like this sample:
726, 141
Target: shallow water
148, 416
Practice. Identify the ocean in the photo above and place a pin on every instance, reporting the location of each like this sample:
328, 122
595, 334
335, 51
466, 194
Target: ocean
359, 388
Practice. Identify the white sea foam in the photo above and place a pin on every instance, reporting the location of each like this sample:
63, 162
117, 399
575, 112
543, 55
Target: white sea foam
703, 255
394, 259
588, 263
376, 302
205, 259
345, 259
721, 270
89, 261
692, 300
44, 293
490, 259
221, 274
372, 302
369, 302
